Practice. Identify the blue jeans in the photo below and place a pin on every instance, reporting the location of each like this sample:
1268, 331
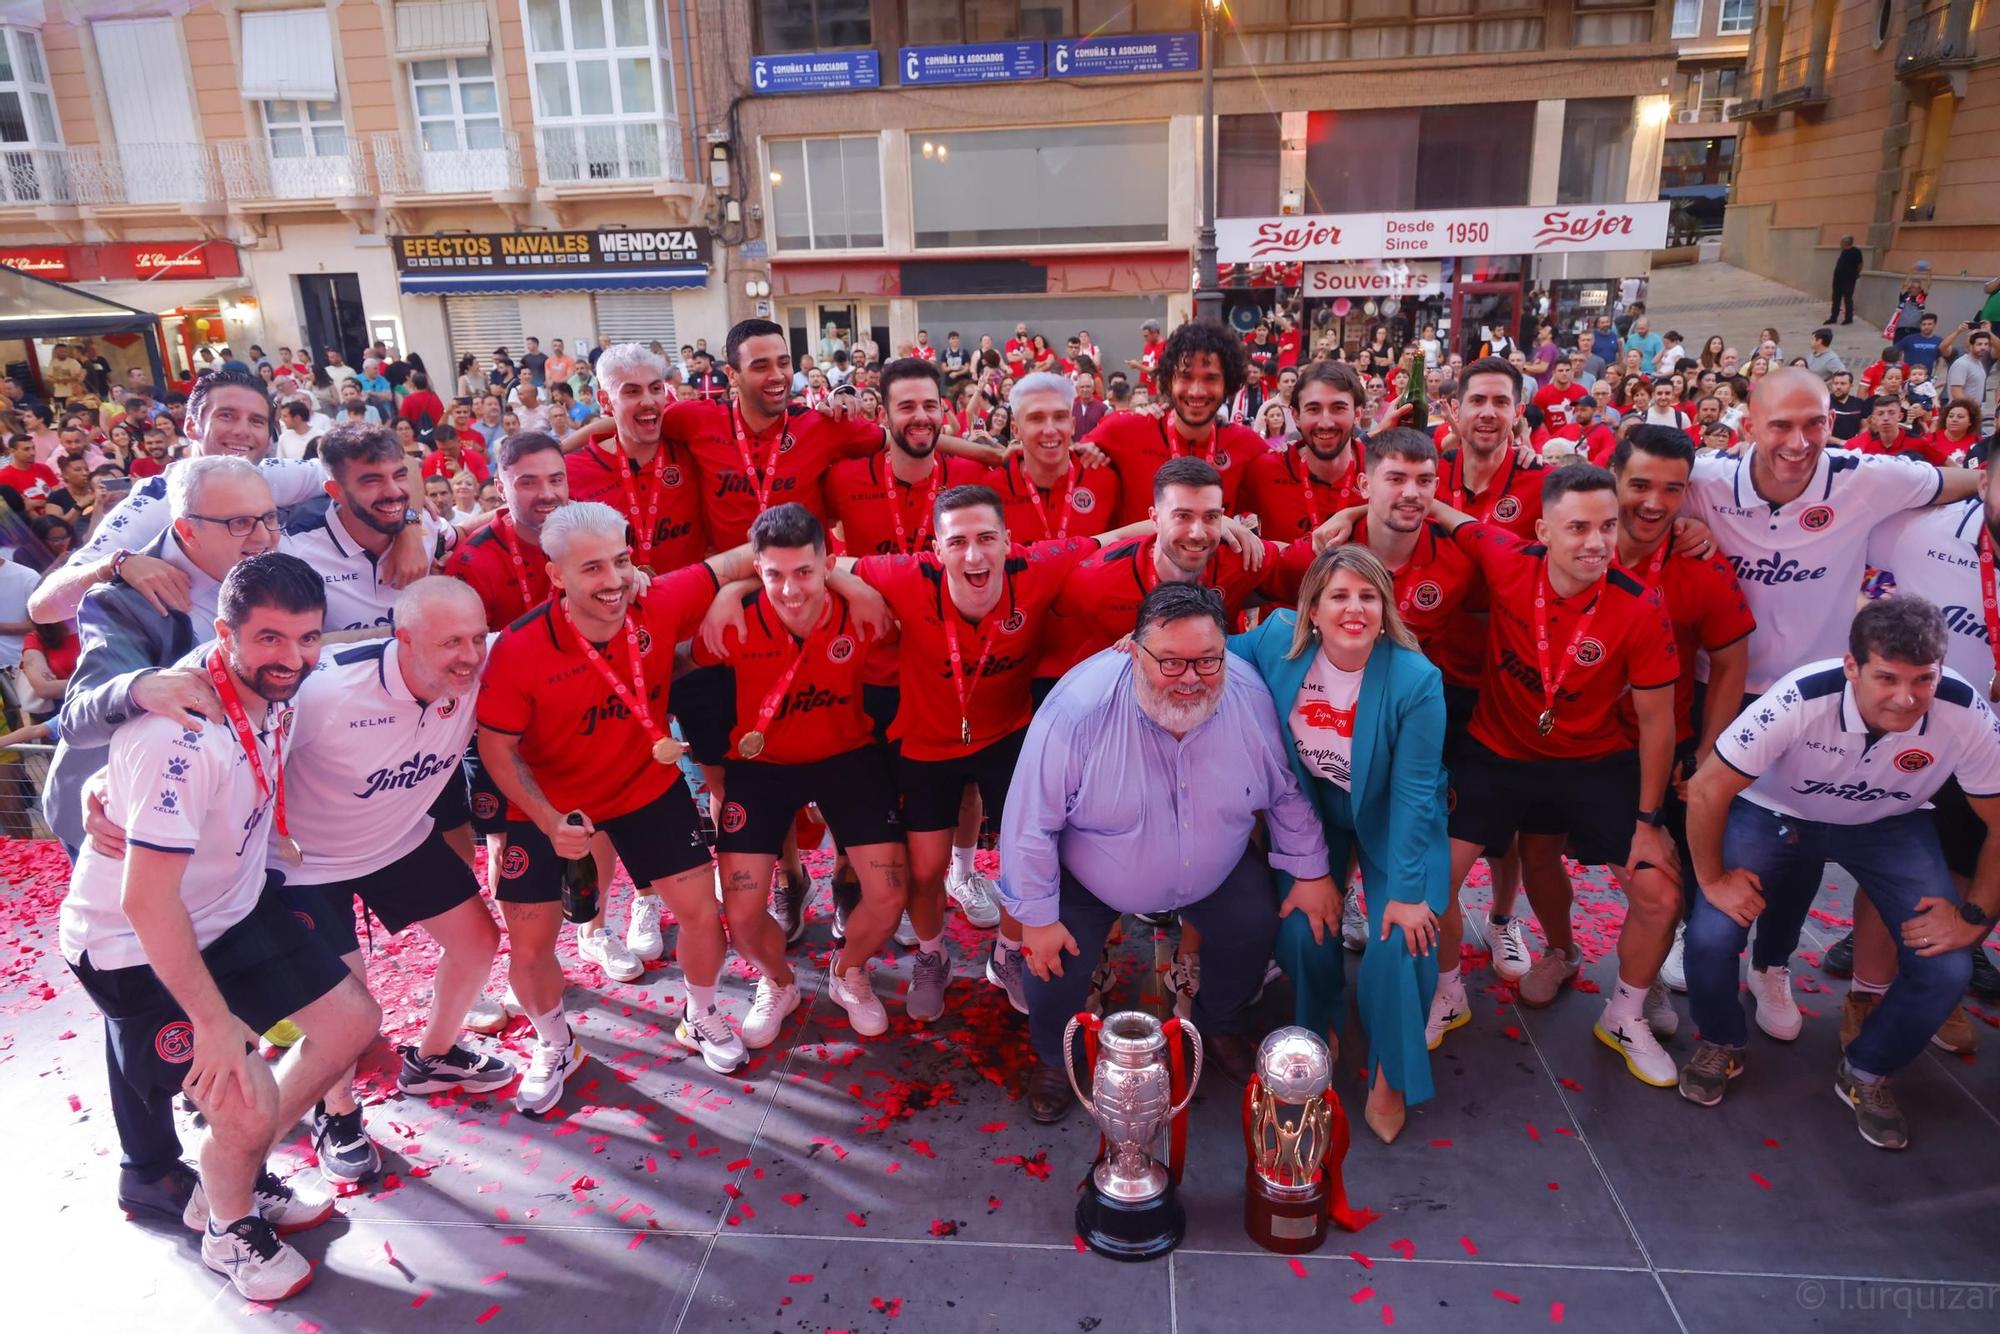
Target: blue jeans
1896, 861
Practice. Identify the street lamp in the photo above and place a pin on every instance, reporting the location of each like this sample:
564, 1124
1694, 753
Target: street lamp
1208, 291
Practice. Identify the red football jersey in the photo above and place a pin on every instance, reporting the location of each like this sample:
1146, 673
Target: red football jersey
1137, 444
1706, 606
486, 561
788, 462
1628, 642
818, 714
997, 655
678, 538
1512, 500
1081, 507
1909, 443
1441, 593
1555, 402
439, 464
1289, 501
583, 746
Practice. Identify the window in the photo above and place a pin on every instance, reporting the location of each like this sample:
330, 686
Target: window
1738, 16
604, 90
1056, 185
1687, 18
1270, 32
1596, 150
305, 129
935, 22
457, 104
812, 25
29, 171
1474, 156
1247, 155
826, 194
1361, 161
1612, 22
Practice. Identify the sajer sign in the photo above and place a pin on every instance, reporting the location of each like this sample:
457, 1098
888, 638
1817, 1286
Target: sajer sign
1434, 234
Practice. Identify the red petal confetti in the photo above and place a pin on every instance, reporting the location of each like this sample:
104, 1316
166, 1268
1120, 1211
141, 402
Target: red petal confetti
1080, 1247
308, 1327
923, 1148
513, 1241
494, 1277
859, 1220
1440, 1144
1570, 1084
891, 1307
1298, 1269
795, 1200
75, 1103
1556, 1312
1361, 1259
944, 1227
1388, 1315
736, 1166
800, 1278
1508, 1297
1404, 1247
1470, 1249
633, 1244
1758, 1177
1770, 1144
487, 1314
1553, 1185
417, 1302
992, 1127
1361, 1295
1532, 1132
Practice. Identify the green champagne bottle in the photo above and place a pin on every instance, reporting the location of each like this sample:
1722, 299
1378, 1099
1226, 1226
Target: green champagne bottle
1419, 417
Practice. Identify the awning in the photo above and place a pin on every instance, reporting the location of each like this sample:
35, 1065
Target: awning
432, 31
623, 280
288, 54
33, 307
165, 294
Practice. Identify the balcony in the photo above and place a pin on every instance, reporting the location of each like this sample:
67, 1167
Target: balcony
1920, 200
330, 166
1934, 44
136, 175
35, 177
405, 166
609, 151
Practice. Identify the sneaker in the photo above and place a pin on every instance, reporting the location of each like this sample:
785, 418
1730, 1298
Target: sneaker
1546, 978
259, 1266
1957, 1035
1353, 922
548, 1070
1839, 958
710, 1034
345, 1152
1661, 1016
976, 896
846, 898
1876, 1114
460, 1069
1985, 977
854, 993
788, 907
906, 935
275, 1202
1777, 1012
1854, 1012
1705, 1078
1102, 979
643, 936
1184, 979
1644, 1057
1005, 970
165, 1196
512, 1004
487, 1016
1511, 957
768, 1011
1449, 1010
609, 953
1674, 971
930, 974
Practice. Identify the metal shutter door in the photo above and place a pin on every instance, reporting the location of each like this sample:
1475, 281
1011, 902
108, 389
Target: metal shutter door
477, 325
638, 317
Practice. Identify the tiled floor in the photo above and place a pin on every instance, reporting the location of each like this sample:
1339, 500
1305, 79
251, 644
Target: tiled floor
898, 1185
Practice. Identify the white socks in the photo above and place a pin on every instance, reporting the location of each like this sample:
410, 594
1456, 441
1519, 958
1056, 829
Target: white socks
961, 862
700, 1000
1627, 1002
552, 1028
1448, 979
935, 945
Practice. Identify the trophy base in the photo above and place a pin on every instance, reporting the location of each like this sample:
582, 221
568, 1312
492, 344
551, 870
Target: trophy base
1289, 1222
1122, 1231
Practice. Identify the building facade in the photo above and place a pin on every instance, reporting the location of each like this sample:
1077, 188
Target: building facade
1712, 41
1875, 119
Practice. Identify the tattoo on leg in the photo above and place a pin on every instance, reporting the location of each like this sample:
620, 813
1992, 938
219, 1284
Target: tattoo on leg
741, 882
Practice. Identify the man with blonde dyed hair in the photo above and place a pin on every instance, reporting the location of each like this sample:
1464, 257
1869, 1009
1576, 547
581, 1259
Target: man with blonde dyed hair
637, 472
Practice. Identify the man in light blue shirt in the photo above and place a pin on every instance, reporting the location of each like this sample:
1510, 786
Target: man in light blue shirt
1647, 342
1137, 790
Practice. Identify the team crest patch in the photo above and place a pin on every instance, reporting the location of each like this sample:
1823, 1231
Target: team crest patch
840, 650
1222, 461
303, 919
1082, 501
1012, 625
1816, 518
447, 707
175, 1042
645, 638
1914, 761
670, 475
1426, 596
734, 817
1508, 510
285, 723
514, 864
485, 805
1588, 651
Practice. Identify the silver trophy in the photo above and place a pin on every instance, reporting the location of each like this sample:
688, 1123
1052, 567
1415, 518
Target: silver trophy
1129, 1210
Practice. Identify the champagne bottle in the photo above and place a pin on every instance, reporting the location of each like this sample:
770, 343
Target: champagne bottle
1419, 417
579, 880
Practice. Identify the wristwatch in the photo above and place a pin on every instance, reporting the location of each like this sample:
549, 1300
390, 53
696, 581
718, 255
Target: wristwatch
411, 517
1973, 913
1655, 818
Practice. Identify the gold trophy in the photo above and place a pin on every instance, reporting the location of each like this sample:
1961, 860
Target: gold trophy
1296, 1135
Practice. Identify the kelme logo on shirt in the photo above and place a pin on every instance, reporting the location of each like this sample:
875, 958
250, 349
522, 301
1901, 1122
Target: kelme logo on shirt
1914, 761
1588, 651
1816, 517
1426, 596
840, 650
1508, 510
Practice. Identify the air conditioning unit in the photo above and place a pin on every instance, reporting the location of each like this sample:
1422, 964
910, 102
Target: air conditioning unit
1730, 106
1688, 115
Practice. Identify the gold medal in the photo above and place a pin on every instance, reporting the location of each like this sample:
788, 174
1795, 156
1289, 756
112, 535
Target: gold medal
668, 751
751, 746
964, 731
288, 848
1547, 722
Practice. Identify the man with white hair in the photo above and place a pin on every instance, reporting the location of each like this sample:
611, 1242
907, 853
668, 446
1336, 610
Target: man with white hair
1048, 494
648, 478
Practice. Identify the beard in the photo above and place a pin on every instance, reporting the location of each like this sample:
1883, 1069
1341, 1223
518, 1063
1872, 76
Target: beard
267, 683
1177, 713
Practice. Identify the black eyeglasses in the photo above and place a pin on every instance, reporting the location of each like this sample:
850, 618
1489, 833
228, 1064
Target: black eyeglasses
241, 524
1176, 667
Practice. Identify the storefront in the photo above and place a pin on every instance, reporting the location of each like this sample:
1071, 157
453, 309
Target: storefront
37, 315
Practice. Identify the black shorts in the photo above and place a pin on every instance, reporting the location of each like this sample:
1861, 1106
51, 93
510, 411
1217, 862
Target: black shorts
267, 967
1458, 706
1595, 802
932, 789
1039, 688
487, 803
453, 807
855, 792
656, 841
1961, 833
881, 703
704, 703
427, 880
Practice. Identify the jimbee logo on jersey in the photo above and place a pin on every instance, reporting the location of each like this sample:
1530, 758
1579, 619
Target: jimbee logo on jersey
840, 650
1012, 625
734, 817
1426, 596
175, 1042
1508, 510
1082, 501
514, 864
1914, 761
1588, 651
1816, 518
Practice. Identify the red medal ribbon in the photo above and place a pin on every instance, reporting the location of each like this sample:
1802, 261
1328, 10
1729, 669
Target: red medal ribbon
1989, 600
632, 696
511, 542
768, 710
272, 788
1172, 440
1462, 496
655, 474
760, 483
1552, 685
1052, 532
904, 546
959, 685
1306, 482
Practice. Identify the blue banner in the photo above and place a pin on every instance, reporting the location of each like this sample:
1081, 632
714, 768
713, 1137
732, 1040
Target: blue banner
983, 62
816, 72
1148, 53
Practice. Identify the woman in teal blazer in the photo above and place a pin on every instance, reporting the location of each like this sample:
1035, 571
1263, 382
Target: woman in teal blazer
1389, 814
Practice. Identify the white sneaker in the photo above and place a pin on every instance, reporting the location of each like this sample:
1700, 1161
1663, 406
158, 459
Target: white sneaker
258, 1265
1777, 1013
1511, 957
1354, 922
976, 896
1661, 1016
1644, 1056
1102, 979
512, 1004
548, 1070
768, 1010
1449, 1010
906, 935
1674, 971
487, 1015
609, 953
710, 1034
855, 994
643, 936
1184, 980
275, 1201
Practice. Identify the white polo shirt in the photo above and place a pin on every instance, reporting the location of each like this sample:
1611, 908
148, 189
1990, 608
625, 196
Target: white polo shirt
1805, 745
183, 792
1934, 554
1800, 563
367, 760
356, 594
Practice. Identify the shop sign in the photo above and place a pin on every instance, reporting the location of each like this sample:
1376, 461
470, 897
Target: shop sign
818, 72
1142, 53
984, 62
1431, 234
124, 260
1383, 278
153, 260
546, 252
40, 261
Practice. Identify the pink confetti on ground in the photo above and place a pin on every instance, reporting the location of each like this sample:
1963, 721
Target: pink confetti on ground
1361, 1295
800, 1278
1470, 1249
494, 1277
487, 1314
1440, 1144
795, 1200
1556, 1312
1508, 1297
1388, 1315
1080, 1247
1404, 1247
859, 1220
417, 1302
1532, 1132
1298, 1269
1361, 1259
1758, 1177
1555, 1185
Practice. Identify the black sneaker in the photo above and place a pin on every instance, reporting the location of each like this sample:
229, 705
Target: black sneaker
1705, 1078
1839, 960
1985, 977
788, 907
165, 1196
846, 898
457, 1069
345, 1151
1876, 1114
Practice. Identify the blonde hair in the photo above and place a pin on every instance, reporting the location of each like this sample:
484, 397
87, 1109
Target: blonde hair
1359, 561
